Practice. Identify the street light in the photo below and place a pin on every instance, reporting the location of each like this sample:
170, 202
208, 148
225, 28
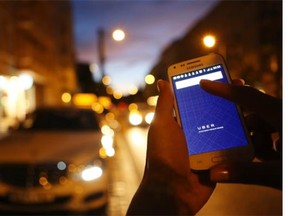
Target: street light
149, 79
101, 51
117, 35
209, 41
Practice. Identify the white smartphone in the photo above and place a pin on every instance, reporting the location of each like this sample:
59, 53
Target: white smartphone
213, 126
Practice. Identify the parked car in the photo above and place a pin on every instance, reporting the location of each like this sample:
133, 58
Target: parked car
54, 162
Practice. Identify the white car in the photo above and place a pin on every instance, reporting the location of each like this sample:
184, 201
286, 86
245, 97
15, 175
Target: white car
54, 164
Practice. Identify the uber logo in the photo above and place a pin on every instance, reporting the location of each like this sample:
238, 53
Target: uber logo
204, 127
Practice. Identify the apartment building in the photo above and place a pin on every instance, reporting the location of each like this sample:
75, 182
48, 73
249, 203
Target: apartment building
36, 56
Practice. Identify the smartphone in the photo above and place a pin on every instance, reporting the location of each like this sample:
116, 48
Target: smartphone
213, 126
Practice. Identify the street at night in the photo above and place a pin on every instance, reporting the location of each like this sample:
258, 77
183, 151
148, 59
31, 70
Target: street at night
127, 169
79, 85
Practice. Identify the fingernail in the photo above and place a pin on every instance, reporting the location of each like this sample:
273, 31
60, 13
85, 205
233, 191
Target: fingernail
160, 84
203, 81
242, 81
220, 175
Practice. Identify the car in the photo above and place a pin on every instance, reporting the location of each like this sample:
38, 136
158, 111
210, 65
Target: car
54, 162
140, 114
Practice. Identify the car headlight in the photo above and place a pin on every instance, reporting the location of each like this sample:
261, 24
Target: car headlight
135, 118
149, 117
91, 173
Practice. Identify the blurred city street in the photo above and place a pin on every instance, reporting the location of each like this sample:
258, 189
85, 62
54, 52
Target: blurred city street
78, 90
126, 171
127, 168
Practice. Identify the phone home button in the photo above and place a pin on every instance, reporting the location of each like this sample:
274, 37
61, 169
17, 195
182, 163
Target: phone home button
218, 159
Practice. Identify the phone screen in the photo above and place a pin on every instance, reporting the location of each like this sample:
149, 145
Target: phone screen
210, 123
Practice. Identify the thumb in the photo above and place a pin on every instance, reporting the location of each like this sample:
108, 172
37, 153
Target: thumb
165, 102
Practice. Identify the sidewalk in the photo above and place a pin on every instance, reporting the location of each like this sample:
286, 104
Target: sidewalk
3, 134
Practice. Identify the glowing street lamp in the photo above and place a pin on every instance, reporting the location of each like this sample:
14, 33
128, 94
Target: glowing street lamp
149, 79
118, 35
209, 41
106, 80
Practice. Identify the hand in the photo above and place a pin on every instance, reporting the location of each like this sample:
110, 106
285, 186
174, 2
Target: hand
266, 118
168, 186
265, 106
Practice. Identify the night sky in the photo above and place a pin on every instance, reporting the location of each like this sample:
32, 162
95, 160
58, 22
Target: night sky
149, 25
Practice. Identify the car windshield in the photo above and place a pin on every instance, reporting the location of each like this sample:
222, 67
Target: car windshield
61, 119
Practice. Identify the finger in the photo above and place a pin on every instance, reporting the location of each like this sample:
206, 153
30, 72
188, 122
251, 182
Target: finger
163, 111
240, 82
256, 124
266, 106
245, 96
267, 174
165, 101
264, 147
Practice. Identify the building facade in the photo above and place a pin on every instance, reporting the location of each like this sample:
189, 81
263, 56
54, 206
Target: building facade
249, 36
36, 56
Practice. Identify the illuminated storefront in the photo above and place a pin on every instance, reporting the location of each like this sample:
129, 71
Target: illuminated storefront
17, 97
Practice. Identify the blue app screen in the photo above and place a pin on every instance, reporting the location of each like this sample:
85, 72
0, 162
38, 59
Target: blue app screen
209, 122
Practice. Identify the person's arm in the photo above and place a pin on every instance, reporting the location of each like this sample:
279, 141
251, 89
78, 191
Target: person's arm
168, 186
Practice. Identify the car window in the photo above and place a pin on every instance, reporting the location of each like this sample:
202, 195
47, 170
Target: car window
63, 120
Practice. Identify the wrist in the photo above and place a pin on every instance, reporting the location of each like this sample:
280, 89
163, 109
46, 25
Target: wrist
162, 193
